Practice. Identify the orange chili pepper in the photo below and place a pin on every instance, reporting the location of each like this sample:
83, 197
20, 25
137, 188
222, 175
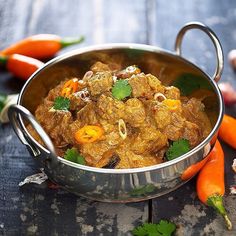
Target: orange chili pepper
40, 46
69, 87
210, 182
193, 169
88, 134
227, 131
21, 66
172, 104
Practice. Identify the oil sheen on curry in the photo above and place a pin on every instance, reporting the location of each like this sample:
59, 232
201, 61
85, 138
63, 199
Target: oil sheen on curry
121, 118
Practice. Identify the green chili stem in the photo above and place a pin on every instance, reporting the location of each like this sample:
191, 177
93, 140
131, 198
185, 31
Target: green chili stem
216, 201
71, 41
3, 60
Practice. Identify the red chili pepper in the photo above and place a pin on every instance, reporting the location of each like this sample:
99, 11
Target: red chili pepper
227, 131
210, 182
21, 66
40, 46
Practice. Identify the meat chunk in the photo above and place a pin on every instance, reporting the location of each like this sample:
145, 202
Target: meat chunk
110, 109
193, 110
140, 86
100, 83
129, 159
174, 130
87, 115
99, 67
162, 115
93, 152
148, 140
55, 92
134, 112
79, 99
192, 133
155, 84
172, 93
128, 72
54, 122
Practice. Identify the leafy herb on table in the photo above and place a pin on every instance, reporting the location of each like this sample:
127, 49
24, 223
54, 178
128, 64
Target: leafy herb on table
188, 83
163, 228
74, 156
143, 190
2, 101
121, 89
61, 103
177, 149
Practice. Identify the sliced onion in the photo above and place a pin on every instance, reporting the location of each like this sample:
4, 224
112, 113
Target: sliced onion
157, 96
122, 129
84, 95
87, 75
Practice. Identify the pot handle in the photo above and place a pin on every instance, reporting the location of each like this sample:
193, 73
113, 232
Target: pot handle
214, 39
15, 112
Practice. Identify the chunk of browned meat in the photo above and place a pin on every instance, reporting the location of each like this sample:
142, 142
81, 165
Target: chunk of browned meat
93, 152
140, 86
172, 93
134, 112
69, 133
99, 67
87, 115
128, 72
174, 130
155, 84
129, 159
110, 109
99, 83
54, 122
162, 115
192, 133
193, 110
148, 140
55, 92
79, 99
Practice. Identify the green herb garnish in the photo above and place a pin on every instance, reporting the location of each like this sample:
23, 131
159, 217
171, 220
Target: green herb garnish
121, 89
61, 103
163, 228
74, 156
177, 149
188, 83
2, 101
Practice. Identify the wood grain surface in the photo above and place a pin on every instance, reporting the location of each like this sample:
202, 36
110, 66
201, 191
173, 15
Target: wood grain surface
35, 209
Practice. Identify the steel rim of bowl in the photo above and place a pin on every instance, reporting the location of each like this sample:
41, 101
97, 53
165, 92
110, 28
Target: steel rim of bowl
143, 47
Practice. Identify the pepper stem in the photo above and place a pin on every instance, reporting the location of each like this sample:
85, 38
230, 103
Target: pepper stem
3, 60
65, 42
216, 201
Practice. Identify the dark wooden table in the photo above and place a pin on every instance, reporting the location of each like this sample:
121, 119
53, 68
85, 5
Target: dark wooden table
37, 210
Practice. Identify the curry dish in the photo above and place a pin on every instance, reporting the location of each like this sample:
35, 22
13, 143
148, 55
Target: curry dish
120, 118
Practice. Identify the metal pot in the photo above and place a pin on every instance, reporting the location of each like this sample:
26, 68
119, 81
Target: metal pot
117, 185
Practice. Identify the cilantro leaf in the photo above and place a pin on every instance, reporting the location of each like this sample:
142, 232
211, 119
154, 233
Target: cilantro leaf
2, 101
177, 149
74, 156
188, 83
121, 89
166, 228
163, 228
61, 103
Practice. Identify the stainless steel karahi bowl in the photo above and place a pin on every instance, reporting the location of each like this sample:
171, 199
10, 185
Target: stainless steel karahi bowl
117, 185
